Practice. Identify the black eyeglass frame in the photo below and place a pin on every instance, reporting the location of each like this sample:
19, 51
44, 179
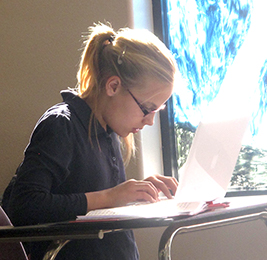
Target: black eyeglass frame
145, 110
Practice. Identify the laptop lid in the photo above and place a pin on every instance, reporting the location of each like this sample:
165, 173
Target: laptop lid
213, 154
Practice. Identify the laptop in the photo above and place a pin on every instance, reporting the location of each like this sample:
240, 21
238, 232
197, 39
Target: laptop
204, 177
211, 161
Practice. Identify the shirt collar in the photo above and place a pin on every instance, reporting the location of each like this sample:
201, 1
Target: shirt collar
83, 112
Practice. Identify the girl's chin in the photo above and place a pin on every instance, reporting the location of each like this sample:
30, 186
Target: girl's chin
135, 130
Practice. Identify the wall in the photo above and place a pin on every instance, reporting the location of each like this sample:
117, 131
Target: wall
246, 241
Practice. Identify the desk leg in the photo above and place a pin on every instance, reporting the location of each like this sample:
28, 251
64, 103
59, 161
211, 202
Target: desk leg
54, 248
164, 252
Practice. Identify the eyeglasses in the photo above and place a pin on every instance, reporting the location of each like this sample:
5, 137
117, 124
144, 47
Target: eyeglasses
145, 110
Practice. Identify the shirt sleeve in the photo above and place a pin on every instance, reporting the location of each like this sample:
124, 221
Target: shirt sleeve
34, 198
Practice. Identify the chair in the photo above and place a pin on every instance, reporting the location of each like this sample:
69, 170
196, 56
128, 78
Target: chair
10, 251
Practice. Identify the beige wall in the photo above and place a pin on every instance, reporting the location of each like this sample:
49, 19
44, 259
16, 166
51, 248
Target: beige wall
245, 241
39, 54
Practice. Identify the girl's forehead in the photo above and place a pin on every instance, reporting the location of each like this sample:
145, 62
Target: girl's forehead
154, 92
155, 88
150, 84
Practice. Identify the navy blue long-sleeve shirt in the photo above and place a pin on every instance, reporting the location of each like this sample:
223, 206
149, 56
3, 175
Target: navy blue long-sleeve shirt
59, 166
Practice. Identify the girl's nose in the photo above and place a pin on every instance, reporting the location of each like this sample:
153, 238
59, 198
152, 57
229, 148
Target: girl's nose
149, 119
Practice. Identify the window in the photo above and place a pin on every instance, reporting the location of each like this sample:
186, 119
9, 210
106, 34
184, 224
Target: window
216, 42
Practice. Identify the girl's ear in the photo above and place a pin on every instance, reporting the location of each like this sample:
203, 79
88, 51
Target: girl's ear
113, 84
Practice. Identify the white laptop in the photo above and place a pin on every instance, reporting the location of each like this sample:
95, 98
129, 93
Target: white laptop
204, 177
212, 158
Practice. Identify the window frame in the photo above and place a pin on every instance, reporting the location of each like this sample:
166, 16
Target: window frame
168, 135
168, 139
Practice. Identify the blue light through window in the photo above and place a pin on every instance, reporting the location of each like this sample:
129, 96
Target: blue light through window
213, 40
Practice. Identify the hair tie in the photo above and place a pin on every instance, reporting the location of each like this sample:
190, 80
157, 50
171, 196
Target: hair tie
111, 38
109, 41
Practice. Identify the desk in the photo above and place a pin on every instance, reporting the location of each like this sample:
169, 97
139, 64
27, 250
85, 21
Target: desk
61, 233
241, 209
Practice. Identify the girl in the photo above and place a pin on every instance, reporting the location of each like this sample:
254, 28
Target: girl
73, 162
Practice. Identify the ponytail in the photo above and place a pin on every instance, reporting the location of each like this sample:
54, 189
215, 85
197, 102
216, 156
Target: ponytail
89, 72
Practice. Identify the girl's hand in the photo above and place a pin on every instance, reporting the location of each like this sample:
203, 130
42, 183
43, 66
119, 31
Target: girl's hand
132, 191
164, 184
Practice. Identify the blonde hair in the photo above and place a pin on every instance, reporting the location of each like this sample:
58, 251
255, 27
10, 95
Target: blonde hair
129, 54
